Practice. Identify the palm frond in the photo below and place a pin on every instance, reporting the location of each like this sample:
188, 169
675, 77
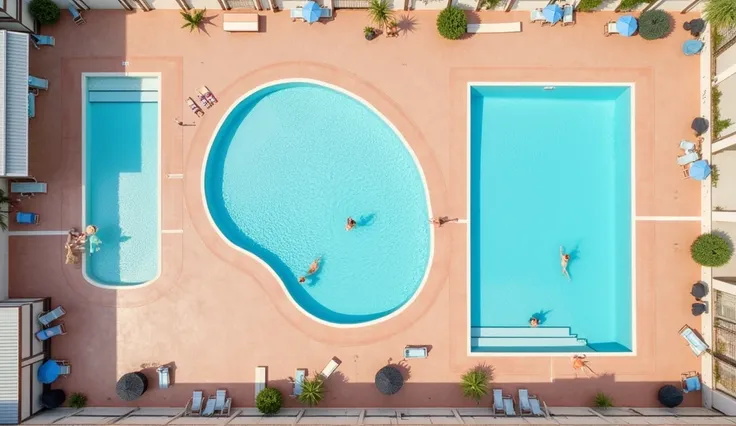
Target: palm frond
380, 13
720, 13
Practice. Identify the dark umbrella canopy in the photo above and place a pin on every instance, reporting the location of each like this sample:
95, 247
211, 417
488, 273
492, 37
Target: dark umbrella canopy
696, 26
700, 125
699, 290
53, 398
670, 396
698, 309
131, 386
389, 380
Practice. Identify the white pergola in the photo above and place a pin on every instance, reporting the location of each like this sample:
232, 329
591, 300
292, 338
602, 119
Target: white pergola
14, 108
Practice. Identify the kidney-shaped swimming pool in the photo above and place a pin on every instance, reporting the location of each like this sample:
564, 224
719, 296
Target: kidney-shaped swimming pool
289, 163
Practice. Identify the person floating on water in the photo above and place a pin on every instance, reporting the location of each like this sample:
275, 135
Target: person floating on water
94, 240
533, 322
564, 259
351, 224
312, 269
439, 221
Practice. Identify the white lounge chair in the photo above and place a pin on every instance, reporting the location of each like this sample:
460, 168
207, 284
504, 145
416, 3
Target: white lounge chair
209, 408
508, 406
524, 406
194, 406
537, 15
298, 380
330, 368
260, 381
222, 402
568, 14
65, 368
497, 401
610, 28
416, 352
536, 408
240, 22
163, 377
687, 146
505, 27
45, 318
697, 345
688, 158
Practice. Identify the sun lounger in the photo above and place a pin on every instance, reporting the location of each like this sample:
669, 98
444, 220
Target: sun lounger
568, 15
65, 368
163, 377
207, 94
329, 368
28, 189
296, 13
42, 40
536, 409
194, 107
209, 408
525, 406
45, 318
691, 382
537, 15
298, 380
687, 146
240, 22
416, 352
260, 381
508, 406
31, 104
688, 158
506, 27
27, 218
222, 402
325, 13
697, 345
497, 401
194, 406
78, 19
610, 28
38, 83
48, 333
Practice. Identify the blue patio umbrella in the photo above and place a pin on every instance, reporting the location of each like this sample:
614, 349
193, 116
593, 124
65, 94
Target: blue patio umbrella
692, 47
48, 371
699, 170
311, 12
552, 13
627, 25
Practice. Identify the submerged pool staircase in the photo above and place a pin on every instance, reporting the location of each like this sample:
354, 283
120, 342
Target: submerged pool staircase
526, 339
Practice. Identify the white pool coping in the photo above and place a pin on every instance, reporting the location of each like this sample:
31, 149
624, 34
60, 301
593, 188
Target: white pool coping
396, 131
158, 76
632, 94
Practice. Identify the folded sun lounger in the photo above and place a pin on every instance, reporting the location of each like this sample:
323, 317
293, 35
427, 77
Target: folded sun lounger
697, 345
28, 188
31, 105
163, 377
525, 406
497, 401
45, 318
329, 368
296, 13
260, 382
536, 409
65, 368
688, 158
48, 333
194, 406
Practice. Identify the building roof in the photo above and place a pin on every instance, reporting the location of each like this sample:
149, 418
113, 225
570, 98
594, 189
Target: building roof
9, 361
14, 111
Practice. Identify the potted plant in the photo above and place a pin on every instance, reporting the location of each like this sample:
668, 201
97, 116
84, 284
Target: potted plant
46, 12
474, 383
452, 23
711, 250
654, 24
380, 13
193, 19
269, 401
369, 33
313, 391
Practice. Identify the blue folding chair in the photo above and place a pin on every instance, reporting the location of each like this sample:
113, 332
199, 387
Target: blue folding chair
27, 218
78, 19
31, 105
38, 83
691, 382
50, 332
42, 40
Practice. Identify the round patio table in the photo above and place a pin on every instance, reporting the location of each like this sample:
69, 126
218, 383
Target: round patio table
48, 372
131, 386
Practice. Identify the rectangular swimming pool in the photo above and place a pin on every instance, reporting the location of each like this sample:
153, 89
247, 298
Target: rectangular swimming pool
549, 167
121, 178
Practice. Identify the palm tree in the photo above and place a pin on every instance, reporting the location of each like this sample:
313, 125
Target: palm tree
313, 391
720, 13
193, 19
380, 13
475, 383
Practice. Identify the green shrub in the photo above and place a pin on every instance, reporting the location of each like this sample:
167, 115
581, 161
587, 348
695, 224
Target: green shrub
628, 5
711, 250
714, 175
380, 13
313, 391
452, 23
269, 401
475, 383
489, 4
654, 24
720, 13
78, 400
46, 12
602, 400
588, 5
719, 124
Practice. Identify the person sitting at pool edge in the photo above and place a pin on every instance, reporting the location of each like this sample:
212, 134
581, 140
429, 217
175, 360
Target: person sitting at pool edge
533, 322
351, 224
564, 259
439, 221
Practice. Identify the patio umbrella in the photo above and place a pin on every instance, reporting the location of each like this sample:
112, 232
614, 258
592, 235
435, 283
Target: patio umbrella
699, 170
131, 386
311, 12
699, 290
627, 25
552, 13
48, 372
389, 380
698, 309
670, 396
692, 47
700, 125
53, 398
696, 26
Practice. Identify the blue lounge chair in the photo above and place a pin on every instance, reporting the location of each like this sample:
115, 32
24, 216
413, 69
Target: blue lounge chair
325, 13
42, 40
697, 345
537, 15
691, 382
27, 218
688, 158
28, 189
45, 318
78, 19
31, 105
48, 333
296, 13
38, 83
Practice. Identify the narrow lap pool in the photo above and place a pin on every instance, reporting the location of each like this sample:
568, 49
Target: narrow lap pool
121, 178
551, 168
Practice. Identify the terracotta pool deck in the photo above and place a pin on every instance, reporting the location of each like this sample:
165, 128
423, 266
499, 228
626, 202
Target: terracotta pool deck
216, 314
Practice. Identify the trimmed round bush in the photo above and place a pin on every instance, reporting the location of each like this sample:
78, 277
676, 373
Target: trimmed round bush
654, 24
46, 12
452, 23
269, 401
711, 250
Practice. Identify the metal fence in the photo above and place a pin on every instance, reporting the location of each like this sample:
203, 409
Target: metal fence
350, 4
724, 330
241, 4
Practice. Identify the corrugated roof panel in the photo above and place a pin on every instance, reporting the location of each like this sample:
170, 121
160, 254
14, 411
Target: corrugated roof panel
16, 104
3, 64
9, 361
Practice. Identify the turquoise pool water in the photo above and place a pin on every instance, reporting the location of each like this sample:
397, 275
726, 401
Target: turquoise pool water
551, 168
121, 179
287, 167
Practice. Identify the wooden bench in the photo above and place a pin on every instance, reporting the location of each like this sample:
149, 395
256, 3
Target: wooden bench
239, 21
506, 27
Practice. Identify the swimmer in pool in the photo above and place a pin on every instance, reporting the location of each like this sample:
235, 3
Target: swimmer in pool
564, 259
350, 224
533, 322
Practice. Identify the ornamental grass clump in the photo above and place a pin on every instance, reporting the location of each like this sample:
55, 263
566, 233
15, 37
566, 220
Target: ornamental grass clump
711, 250
452, 23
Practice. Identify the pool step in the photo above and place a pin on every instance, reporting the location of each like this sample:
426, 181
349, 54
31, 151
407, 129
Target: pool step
520, 332
524, 337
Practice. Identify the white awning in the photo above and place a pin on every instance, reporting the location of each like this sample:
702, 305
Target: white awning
14, 111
